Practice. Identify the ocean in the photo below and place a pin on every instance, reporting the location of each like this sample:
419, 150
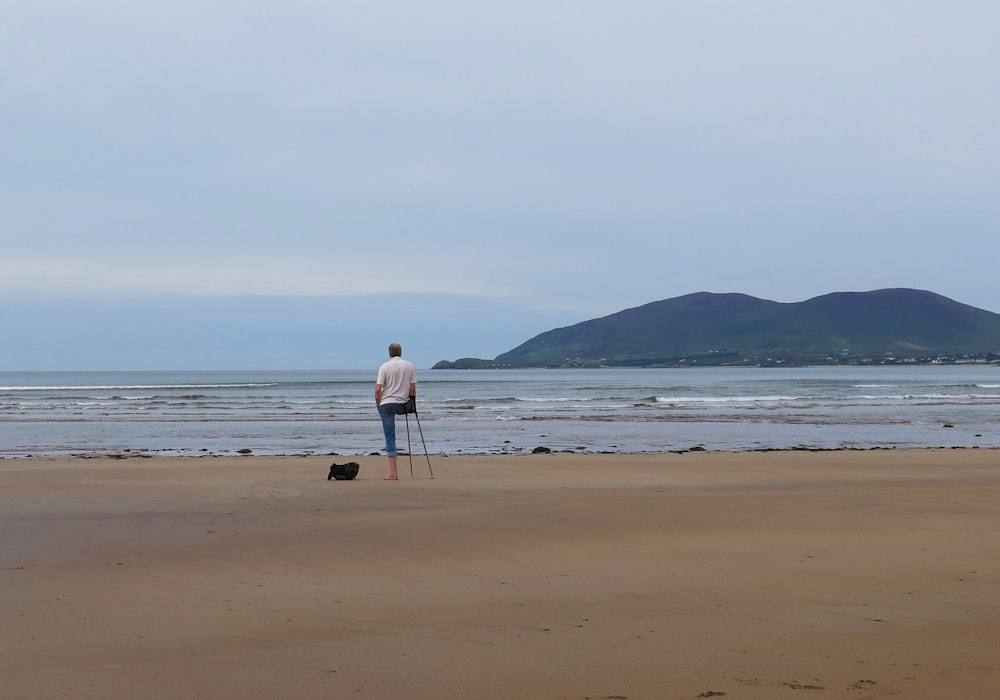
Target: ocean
500, 411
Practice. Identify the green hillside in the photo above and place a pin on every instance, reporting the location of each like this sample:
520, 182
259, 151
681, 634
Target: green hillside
887, 325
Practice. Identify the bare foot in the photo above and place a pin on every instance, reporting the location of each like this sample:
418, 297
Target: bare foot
391, 478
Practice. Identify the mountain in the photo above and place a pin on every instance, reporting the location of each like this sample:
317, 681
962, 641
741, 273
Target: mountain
882, 326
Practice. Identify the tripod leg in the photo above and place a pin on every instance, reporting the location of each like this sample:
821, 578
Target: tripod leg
426, 455
409, 450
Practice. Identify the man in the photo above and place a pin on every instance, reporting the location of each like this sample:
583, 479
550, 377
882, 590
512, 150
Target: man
395, 393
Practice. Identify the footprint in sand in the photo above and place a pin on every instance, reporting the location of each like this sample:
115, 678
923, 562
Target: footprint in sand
801, 686
861, 685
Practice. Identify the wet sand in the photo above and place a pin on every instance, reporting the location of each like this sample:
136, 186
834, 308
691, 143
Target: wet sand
863, 574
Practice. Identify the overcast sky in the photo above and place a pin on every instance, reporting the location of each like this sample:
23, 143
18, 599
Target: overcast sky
296, 184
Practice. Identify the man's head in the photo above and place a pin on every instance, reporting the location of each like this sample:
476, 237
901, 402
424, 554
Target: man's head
395, 350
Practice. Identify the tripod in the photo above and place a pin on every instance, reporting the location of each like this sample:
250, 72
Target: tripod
409, 451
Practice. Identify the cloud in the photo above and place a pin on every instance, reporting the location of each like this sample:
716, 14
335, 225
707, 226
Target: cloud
54, 277
570, 157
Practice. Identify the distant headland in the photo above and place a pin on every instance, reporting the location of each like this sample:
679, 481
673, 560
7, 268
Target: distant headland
882, 327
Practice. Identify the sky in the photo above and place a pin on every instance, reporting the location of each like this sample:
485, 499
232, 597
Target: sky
295, 185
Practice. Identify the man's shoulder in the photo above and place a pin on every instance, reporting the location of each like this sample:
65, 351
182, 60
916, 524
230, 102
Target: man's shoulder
386, 366
396, 362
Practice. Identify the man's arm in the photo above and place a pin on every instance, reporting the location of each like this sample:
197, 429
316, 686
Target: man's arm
378, 394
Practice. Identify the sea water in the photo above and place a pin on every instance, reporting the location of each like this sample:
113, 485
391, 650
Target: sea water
501, 411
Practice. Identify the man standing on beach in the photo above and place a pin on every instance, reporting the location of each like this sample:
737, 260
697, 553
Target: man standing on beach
395, 393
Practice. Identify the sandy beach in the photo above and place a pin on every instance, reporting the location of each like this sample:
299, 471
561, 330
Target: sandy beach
845, 574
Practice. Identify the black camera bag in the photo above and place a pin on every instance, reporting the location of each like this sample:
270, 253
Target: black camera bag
343, 472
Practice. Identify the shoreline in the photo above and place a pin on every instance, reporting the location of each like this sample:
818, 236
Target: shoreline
753, 575
243, 454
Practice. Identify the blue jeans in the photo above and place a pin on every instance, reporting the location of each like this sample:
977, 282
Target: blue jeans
388, 413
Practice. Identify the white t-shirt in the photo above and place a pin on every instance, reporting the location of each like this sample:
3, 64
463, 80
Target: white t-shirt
395, 376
